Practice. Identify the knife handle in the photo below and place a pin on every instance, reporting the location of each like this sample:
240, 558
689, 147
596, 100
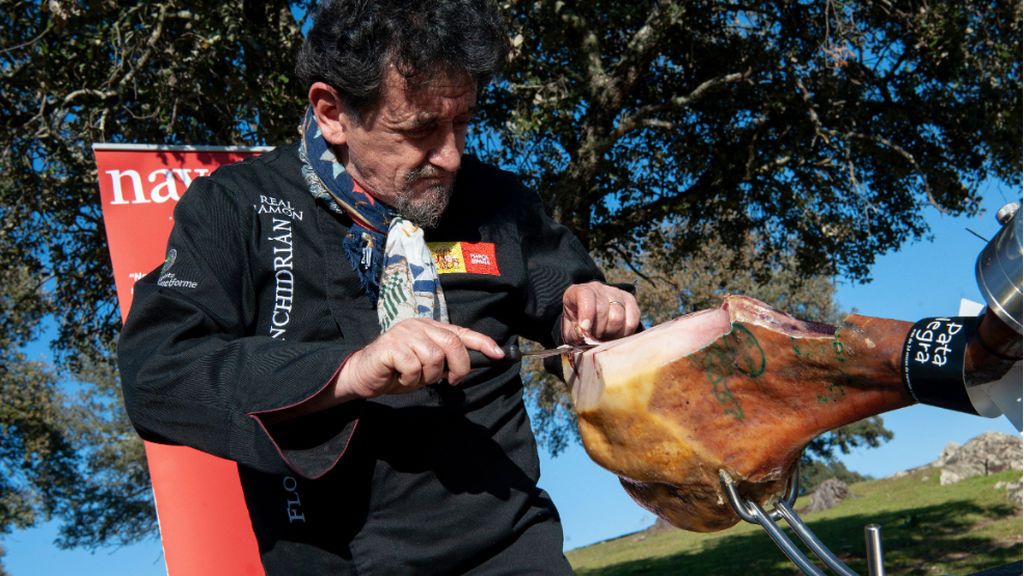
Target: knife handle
477, 359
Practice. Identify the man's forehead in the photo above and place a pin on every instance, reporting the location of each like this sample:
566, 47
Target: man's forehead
422, 100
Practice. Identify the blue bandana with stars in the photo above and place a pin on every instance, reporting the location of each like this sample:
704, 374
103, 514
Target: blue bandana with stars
329, 182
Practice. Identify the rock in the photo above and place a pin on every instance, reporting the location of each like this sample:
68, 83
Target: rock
986, 454
915, 469
660, 525
1013, 494
947, 452
1013, 491
827, 494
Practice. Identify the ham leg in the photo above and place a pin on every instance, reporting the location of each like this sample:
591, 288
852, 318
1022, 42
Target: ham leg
742, 388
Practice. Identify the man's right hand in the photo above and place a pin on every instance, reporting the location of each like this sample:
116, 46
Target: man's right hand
412, 354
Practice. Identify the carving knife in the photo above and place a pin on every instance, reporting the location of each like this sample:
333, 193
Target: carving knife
514, 354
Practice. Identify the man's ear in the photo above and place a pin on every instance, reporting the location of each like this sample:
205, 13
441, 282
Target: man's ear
331, 113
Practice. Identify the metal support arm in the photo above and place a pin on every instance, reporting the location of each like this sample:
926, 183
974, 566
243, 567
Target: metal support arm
751, 512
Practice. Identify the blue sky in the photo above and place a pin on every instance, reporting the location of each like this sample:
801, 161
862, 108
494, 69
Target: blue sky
923, 279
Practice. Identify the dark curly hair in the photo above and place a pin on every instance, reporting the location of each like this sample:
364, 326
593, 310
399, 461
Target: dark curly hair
352, 42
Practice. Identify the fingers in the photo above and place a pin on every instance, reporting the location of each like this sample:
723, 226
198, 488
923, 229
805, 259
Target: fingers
577, 314
598, 311
437, 352
456, 342
412, 365
429, 364
413, 354
615, 324
623, 316
477, 341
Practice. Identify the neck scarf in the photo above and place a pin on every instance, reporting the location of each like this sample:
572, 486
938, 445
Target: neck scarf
395, 268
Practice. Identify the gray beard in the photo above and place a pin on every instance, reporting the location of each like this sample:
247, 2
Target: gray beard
426, 210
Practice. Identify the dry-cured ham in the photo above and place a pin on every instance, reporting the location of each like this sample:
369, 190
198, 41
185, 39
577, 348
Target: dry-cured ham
741, 388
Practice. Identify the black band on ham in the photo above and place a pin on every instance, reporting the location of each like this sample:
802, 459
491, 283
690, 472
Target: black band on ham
933, 361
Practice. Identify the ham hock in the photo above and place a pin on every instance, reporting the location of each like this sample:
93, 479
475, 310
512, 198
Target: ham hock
741, 388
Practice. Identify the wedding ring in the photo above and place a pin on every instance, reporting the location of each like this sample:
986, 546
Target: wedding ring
610, 302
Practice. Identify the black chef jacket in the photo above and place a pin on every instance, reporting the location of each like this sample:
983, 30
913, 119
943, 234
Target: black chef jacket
256, 308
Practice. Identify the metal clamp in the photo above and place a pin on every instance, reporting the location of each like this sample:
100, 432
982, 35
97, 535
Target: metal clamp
751, 512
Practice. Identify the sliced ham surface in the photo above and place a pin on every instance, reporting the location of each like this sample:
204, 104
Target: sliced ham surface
741, 388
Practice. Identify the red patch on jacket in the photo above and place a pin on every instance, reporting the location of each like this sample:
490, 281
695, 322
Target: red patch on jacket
465, 258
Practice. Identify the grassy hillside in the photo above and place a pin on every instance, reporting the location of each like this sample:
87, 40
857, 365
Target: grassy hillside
926, 529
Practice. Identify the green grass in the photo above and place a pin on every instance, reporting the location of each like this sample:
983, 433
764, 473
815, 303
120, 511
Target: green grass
926, 529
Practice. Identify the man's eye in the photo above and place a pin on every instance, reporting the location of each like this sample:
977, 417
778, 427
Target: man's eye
421, 132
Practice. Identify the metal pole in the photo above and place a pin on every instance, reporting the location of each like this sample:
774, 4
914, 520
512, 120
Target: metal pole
873, 543
784, 543
811, 540
749, 511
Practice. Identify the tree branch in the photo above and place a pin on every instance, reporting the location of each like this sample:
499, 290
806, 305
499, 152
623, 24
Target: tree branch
154, 37
910, 160
61, 112
49, 26
645, 41
812, 114
637, 118
101, 94
628, 261
590, 48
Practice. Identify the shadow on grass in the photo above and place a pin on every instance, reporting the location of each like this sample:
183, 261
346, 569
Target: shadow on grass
912, 541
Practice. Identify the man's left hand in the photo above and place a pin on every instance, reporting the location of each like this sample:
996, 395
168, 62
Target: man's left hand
597, 311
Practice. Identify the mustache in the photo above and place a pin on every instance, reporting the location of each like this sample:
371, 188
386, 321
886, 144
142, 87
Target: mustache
426, 171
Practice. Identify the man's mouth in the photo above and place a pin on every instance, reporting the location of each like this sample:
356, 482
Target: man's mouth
425, 196
432, 181
429, 174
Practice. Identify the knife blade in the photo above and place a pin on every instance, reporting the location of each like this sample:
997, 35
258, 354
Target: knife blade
513, 354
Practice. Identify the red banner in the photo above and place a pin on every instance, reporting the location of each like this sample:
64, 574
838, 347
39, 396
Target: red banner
204, 522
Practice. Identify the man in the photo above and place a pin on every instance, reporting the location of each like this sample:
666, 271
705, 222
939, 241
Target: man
324, 299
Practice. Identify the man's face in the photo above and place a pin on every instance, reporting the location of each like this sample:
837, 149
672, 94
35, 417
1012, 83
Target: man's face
407, 149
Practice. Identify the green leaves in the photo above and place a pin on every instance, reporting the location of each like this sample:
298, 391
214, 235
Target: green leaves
164, 72
37, 460
826, 127
112, 504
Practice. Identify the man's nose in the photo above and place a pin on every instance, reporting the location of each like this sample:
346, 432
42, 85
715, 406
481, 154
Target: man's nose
448, 153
